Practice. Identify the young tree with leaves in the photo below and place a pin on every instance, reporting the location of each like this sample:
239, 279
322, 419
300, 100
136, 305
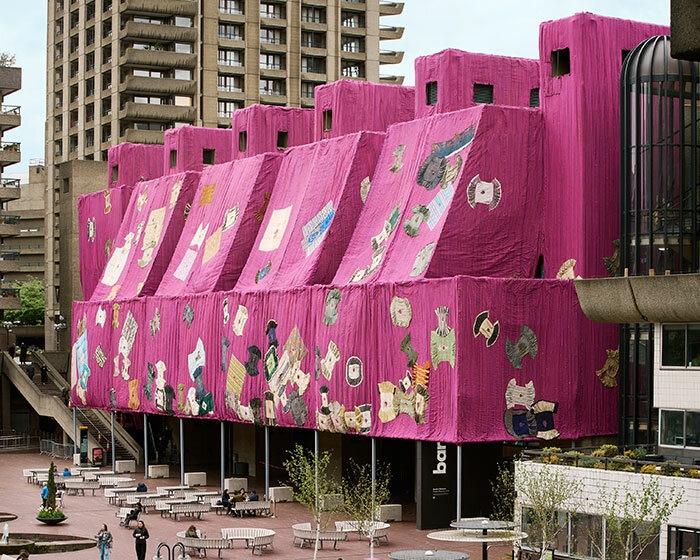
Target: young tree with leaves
311, 480
503, 490
7, 59
31, 311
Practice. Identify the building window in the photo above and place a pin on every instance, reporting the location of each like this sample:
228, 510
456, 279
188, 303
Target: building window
59, 99
180, 101
159, 127
431, 92
73, 118
58, 124
535, 97
183, 48
208, 156
270, 10
231, 31
89, 138
107, 54
313, 64
106, 80
58, 148
282, 139
272, 36
73, 68
89, 87
231, 7
107, 107
147, 73
483, 93
270, 61
352, 69
173, 159
230, 57
149, 99
307, 89
89, 112
89, 61
682, 542
680, 345
115, 173
59, 75
74, 19
226, 108
107, 28
352, 19
59, 51
327, 120
106, 132
561, 65
242, 141
352, 44
74, 43
90, 35
59, 26
182, 74
313, 14
270, 86
313, 39
90, 11
73, 143
230, 83
680, 428
74, 93
182, 21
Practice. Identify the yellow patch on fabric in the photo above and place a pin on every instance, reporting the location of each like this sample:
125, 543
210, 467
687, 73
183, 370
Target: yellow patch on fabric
211, 247
207, 194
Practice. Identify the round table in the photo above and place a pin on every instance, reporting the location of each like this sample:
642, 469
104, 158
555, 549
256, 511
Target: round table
484, 526
428, 555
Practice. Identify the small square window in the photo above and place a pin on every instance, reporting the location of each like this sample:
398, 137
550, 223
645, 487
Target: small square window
561, 64
173, 158
282, 139
115, 173
208, 156
431, 92
483, 93
242, 141
535, 97
327, 120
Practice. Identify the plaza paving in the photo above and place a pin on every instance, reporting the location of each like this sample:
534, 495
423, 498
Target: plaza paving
86, 513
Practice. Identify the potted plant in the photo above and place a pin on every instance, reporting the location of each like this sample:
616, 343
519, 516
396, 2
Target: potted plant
49, 513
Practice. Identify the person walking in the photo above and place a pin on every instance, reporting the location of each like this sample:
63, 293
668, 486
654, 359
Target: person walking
104, 542
44, 374
44, 494
140, 535
22, 353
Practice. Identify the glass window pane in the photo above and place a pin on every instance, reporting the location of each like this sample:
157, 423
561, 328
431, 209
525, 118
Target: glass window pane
673, 345
692, 428
586, 535
693, 346
671, 427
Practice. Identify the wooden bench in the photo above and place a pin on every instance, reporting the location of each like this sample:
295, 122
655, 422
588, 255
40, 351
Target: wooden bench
82, 485
202, 544
258, 539
147, 500
189, 509
381, 529
121, 515
306, 535
217, 507
254, 507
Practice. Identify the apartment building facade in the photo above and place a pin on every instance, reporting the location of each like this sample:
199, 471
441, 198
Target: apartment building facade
127, 70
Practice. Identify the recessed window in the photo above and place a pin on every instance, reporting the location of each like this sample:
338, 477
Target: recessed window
680, 428
327, 120
115, 173
561, 64
535, 97
483, 93
431, 91
208, 156
680, 345
173, 158
282, 139
242, 141
539, 270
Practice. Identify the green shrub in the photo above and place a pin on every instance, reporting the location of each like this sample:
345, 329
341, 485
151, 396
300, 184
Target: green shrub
639, 452
587, 463
551, 450
606, 450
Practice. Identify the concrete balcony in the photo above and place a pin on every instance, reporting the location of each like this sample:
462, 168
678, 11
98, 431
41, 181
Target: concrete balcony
390, 57
9, 225
9, 154
9, 299
157, 59
10, 80
9, 189
387, 33
139, 84
350, 55
168, 7
273, 98
134, 30
9, 117
393, 80
143, 136
147, 112
390, 8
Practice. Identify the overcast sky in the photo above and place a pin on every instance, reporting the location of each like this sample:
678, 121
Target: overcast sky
504, 27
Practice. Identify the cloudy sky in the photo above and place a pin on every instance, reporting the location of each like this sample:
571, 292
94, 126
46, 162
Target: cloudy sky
504, 27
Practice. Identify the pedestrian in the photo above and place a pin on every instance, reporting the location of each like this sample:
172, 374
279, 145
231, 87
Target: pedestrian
65, 395
22, 353
44, 494
11, 350
104, 542
44, 374
140, 534
30, 371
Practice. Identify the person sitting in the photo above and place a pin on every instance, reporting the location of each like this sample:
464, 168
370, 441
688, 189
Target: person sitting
237, 497
225, 500
133, 515
253, 497
194, 533
141, 487
66, 472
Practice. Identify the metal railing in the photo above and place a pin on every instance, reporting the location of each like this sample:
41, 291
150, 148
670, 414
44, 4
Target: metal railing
9, 218
18, 441
55, 449
10, 146
9, 255
10, 183
10, 109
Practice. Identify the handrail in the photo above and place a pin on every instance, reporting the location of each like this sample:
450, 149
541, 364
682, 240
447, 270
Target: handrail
10, 146
8, 183
10, 109
9, 218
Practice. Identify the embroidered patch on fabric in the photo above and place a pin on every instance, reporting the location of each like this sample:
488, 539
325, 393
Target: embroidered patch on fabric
608, 373
155, 323
315, 229
401, 312
271, 332
412, 225
175, 193
142, 198
99, 356
270, 362
439, 204
297, 407
442, 340
294, 347
139, 231
422, 260
117, 261
126, 341
183, 269
353, 371
482, 192
113, 292
389, 226
300, 379
230, 218
328, 363
115, 315
517, 395
207, 194
235, 376
148, 386
186, 213
199, 235
566, 270
108, 246
612, 263
108, 201
524, 346
251, 365
433, 168
188, 315
330, 313
225, 343
82, 368
91, 229
240, 320
483, 326
112, 398
196, 359
181, 397
211, 247
269, 409
317, 367
259, 214
260, 274
226, 311
134, 394
281, 376
407, 348
151, 235
398, 158
274, 232
364, 188
421, 374
100, 317
451, 173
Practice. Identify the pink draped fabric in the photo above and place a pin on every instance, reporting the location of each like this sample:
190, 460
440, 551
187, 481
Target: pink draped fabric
190, 148
130, 163
100, 216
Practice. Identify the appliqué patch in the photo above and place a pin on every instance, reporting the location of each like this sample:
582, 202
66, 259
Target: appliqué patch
407, 348
442, 340
175, 193
230, 218
434, 166
226, 311
274, 232
481, 192
115, 315
259, 214
151, 235
207, 194
401, 312
315, 230
183, 269
100, 356
100, 317
251, 365
398, 158
439, 204
412, 225
566, 270
142, 198
235, 376
240, 320
422, 260
108, 201
294, 347
524, 346
271, 362
330, 314
328, 363
353, 371
91, 229
520, 395
364, 189
155, 323
260, 274
483, 326
608, 373
211, 247
188, 315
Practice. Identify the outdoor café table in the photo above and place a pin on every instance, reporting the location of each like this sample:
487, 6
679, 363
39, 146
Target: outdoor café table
428, 555
119, 494
205, 494
484, 526
171, 489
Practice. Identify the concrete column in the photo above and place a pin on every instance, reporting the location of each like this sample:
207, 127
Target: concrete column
223, 472
182, 452
114, 457
6, 410
374, 473
145, 445
75, 431
459, 482
267, 462
316, 466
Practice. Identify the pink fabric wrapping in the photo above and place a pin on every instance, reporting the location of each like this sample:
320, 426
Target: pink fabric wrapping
358, 106
135, 162
189, 143
411, 230
456, 72
312, 212
472, 388
582, 124
100, 216
221, 226
262, 123
147, 237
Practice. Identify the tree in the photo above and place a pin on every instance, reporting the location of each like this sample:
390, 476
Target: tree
546, 491
51, 485
633, 517
359, 502
312, 481
7, 59
31, 311
503, 490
